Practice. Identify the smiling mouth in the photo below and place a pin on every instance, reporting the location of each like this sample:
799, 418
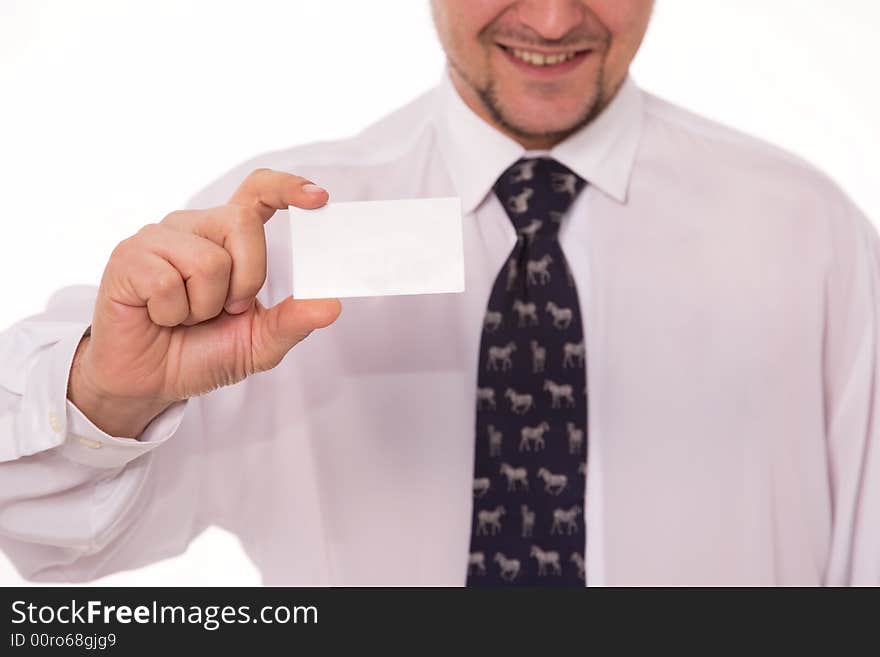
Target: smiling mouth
542, 59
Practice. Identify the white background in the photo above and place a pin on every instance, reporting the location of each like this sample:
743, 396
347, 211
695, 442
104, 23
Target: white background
113, 113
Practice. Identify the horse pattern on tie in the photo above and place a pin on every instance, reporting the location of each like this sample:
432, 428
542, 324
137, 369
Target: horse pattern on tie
530, 461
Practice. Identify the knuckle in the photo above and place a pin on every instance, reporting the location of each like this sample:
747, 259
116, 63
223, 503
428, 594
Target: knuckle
121, 250
216, 262
148, 231
175, 217
259, 172
126, 248
166, 283
207, 306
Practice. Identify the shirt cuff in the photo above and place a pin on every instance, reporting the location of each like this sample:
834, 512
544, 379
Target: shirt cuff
48, 420
87, 445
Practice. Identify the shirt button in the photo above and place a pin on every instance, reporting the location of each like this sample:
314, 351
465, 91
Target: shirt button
55, 422
88, 442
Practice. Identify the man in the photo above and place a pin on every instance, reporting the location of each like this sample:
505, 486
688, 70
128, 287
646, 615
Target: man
662, 371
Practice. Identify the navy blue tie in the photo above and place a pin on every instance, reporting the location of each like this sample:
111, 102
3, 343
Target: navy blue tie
530, 465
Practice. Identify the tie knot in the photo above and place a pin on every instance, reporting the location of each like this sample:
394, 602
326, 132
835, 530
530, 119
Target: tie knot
536, 192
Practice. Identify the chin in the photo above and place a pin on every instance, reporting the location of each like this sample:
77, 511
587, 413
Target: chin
544, 119
541, 109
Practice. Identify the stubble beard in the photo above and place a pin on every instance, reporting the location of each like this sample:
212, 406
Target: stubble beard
488, 95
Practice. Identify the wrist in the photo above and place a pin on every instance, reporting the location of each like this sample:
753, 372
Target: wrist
118, 416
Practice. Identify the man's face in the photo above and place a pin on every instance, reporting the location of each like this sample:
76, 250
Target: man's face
540, 69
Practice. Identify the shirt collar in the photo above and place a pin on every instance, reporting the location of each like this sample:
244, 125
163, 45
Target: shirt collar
602, 153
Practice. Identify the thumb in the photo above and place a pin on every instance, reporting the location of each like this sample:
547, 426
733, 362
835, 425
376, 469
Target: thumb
277, 329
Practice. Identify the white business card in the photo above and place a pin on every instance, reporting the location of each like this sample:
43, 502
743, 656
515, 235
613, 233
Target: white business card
377, 248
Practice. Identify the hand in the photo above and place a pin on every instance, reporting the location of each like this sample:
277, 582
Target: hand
176, 314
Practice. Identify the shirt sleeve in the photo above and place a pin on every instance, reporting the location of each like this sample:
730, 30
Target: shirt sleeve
37, 357
76, 503
852, 399
67, 489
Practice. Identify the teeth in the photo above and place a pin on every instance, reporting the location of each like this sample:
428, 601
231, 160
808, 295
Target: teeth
539, 59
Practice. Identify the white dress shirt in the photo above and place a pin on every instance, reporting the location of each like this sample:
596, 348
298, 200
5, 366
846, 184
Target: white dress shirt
730, 296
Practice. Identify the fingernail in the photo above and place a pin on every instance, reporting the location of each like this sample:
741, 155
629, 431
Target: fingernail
238, 307
312, 188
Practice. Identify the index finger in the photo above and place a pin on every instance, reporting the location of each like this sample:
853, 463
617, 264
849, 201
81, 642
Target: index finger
266, 191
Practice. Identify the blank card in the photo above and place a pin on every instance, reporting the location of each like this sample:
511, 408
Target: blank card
377, 248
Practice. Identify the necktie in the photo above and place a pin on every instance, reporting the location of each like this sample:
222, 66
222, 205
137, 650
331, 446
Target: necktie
530, 463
